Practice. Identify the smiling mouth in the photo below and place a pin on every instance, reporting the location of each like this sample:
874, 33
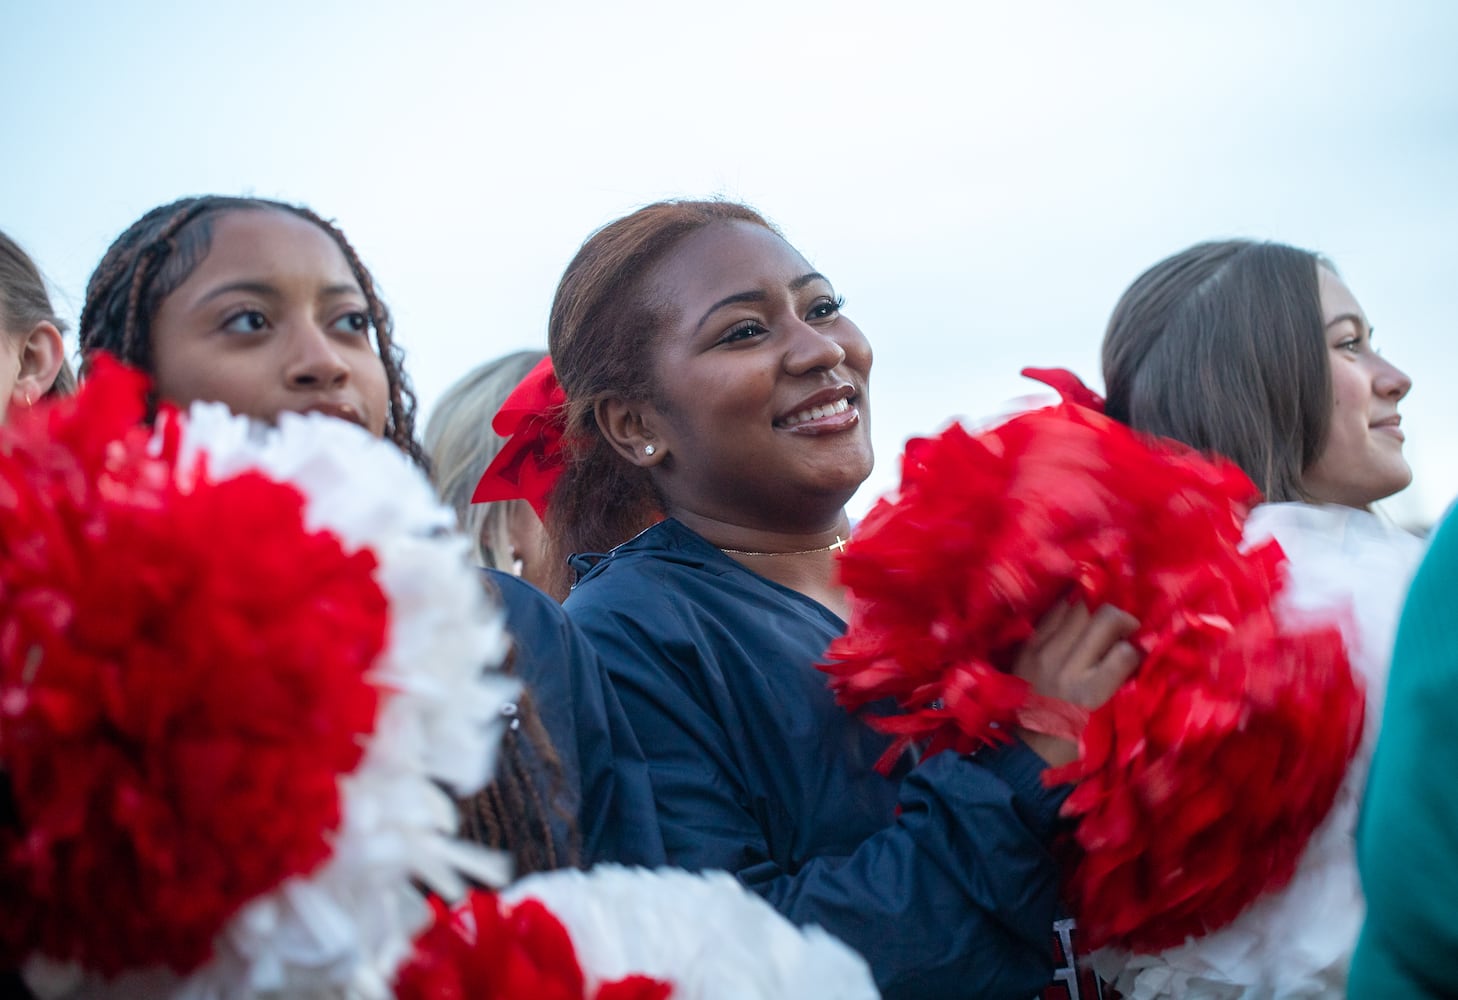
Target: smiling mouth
1391, 425
815, 413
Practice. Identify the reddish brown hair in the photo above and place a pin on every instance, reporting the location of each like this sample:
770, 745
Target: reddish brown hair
602, 334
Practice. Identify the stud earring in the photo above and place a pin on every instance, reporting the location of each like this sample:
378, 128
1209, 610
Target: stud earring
649, 450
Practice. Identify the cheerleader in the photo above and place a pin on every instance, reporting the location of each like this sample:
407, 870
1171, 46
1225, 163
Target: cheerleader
717, 422
1259, 352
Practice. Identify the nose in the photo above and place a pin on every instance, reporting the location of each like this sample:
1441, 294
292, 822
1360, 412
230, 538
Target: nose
812, 348
314, 361
1391, 382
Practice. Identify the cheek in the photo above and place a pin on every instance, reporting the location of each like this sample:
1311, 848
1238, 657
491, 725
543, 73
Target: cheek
857, 349
374, 387
178, 376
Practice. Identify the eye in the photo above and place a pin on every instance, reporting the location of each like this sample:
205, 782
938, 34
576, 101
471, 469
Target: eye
353, 323
826, 308
245, 321
743, 331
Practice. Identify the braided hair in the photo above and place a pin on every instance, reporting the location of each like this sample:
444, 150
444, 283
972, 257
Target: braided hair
147, 263
514, 812
156, 254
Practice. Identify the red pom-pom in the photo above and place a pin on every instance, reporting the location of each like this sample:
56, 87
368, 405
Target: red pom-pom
182, 684
1178, 825
479, 950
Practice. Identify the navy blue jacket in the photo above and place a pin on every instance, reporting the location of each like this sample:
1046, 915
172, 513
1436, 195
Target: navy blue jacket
942, 879
605, 776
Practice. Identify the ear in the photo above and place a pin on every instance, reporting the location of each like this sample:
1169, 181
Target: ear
42, 353
631, 428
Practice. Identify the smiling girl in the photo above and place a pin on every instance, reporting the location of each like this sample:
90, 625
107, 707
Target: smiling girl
1260, 352
717, 422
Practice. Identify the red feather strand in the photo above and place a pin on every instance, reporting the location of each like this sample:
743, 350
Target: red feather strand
1178, 823
178, 657
482, 951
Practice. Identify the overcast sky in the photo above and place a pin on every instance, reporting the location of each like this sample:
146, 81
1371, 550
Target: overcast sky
980, 180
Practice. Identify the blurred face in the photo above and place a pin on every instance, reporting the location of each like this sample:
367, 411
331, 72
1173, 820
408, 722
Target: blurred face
271, 320
762, 383
1362, 460
528, 543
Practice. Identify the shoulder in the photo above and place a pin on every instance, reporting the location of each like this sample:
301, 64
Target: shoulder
541, 630
1441, 559
664, 570
1337, 551
1307, 530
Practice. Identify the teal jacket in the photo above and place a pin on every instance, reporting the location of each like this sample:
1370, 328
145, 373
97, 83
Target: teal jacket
1407, 843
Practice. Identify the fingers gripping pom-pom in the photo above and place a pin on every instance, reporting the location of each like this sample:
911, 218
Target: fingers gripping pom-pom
1177, 829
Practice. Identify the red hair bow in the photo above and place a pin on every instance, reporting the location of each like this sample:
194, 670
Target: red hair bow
532, 420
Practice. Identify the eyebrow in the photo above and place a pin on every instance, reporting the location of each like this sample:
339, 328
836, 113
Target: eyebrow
757, 296
1348, 316
263, 288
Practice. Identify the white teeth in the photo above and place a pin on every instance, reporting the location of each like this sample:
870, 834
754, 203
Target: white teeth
816, 412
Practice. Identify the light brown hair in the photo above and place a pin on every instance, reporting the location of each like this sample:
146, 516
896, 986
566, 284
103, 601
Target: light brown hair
1222, 346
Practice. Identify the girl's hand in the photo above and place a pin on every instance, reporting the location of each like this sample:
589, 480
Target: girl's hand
1080, 657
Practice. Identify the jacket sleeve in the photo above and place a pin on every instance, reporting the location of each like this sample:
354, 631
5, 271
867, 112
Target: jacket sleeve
955, 897
1407, 847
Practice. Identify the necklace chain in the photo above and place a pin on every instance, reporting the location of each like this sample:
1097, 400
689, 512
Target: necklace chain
838, 545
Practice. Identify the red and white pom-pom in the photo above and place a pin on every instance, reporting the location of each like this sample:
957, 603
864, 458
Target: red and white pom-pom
1298, 942
485, 950
616, 933
1178, 825
237, 665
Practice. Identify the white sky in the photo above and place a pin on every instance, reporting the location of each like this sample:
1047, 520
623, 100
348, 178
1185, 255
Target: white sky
980, 180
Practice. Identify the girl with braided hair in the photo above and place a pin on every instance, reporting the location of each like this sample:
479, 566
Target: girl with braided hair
264, 306
163, 299
32, 359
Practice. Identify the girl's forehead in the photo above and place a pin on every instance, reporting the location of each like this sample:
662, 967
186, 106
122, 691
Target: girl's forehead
726, 257
1337, 299
269, 241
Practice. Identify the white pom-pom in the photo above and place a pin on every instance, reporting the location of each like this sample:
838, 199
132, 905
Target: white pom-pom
706, 934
